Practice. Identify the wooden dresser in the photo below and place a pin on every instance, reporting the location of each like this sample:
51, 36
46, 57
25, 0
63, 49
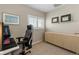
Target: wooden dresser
67, 41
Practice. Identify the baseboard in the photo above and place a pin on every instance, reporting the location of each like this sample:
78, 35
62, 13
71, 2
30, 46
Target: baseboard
36, 42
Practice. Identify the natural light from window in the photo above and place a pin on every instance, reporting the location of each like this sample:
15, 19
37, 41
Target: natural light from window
37, 22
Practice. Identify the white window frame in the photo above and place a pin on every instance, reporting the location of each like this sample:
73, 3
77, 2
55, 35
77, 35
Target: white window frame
37, 21
42, 23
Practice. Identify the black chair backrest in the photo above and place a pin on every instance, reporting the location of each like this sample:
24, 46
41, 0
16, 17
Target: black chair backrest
29, 27
28, 33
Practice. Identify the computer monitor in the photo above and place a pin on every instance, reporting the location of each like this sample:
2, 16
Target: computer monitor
7, 42
6, 31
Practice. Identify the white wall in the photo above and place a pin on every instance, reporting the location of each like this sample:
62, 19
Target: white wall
65, 27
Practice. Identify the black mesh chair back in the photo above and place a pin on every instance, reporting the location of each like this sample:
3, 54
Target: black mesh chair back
28, 36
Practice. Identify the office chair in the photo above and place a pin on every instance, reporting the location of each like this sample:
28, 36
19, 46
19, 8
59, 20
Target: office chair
26, 41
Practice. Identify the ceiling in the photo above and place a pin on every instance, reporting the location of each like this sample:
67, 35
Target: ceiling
44, 7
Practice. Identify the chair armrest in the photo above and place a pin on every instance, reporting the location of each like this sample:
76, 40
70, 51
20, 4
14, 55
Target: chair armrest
19, 38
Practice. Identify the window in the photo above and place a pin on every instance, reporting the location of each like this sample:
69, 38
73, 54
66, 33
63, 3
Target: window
40, 22
33, 21
37, 22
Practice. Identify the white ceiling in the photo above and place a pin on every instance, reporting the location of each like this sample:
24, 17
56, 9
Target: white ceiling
44, 7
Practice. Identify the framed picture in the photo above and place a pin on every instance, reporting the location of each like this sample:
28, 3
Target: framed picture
10, 19
66, 18
55, 20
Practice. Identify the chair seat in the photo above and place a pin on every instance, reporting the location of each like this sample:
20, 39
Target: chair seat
22, 42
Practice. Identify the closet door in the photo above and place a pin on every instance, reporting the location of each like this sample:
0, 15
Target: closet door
0, 35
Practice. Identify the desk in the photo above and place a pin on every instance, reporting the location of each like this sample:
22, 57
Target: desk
9, 50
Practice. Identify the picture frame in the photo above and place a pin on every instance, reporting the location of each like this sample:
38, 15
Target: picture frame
55, 19
10, 19
66, 18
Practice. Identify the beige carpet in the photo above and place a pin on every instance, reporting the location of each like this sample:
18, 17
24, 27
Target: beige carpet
43, 48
